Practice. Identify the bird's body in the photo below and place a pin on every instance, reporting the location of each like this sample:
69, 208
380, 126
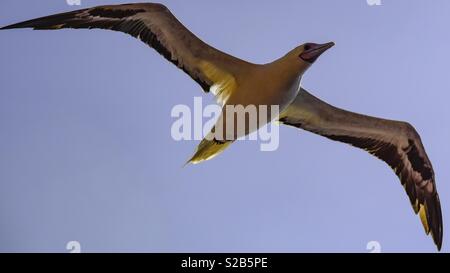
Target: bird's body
237, 82
274, 83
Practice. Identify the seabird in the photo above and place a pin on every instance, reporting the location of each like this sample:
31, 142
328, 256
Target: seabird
237, 82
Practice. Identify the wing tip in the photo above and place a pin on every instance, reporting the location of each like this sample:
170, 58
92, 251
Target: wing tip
54, 21
13, 26
435, 217
431, 217
439, 245
25, 24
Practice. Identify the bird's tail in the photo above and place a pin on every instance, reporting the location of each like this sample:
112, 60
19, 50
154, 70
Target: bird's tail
208, 149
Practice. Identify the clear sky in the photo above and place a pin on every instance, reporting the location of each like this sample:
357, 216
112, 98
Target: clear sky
86, 152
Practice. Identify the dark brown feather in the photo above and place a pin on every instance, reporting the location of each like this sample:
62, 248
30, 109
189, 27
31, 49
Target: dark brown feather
396, 143
118, 18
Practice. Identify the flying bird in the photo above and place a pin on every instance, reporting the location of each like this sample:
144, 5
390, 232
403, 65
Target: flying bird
237, 82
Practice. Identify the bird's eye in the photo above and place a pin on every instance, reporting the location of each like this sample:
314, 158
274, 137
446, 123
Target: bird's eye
307, 47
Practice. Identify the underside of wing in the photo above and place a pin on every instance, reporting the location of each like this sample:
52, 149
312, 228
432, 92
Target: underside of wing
396, 143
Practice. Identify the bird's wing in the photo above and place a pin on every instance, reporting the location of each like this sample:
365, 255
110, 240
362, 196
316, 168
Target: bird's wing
156, 26
396, 143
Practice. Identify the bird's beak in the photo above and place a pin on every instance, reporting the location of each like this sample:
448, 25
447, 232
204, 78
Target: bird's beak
313, 51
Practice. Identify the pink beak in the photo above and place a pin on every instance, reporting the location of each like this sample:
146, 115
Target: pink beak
313, 51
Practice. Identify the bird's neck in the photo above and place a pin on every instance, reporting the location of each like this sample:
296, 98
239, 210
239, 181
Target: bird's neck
289, 66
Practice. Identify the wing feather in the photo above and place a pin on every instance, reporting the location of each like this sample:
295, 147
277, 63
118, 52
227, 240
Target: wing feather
396, 143
156, 26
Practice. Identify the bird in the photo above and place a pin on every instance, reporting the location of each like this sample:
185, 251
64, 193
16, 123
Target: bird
234, 81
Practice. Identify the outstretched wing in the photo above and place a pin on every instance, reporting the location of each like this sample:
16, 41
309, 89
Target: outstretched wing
156, 26
397, 143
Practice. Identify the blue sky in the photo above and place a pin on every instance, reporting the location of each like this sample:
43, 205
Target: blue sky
86, 152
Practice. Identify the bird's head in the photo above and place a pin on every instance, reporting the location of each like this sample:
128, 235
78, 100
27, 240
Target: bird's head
302, 57
310, 52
